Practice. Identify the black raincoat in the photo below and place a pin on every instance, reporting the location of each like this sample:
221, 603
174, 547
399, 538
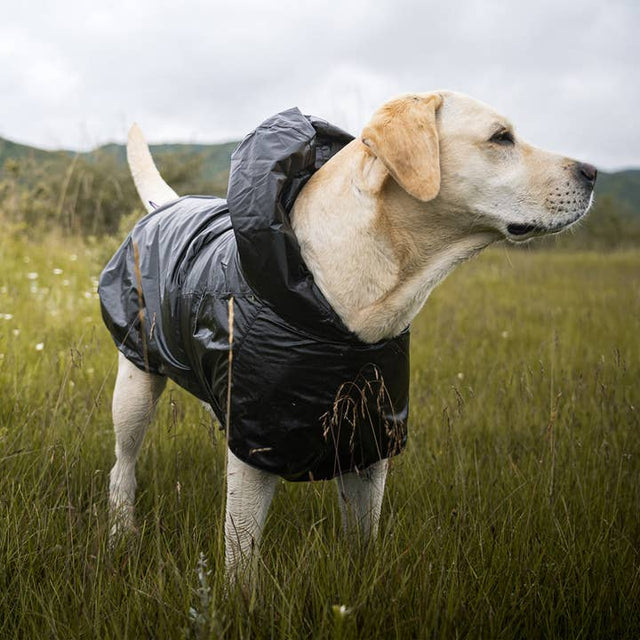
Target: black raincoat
309, 400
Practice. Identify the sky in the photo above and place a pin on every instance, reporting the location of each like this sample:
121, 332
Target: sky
75, 74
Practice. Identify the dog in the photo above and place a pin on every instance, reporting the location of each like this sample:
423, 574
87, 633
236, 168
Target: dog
432, 180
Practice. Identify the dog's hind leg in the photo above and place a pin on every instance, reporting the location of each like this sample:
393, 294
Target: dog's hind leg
360, 499
134, 399
249, 494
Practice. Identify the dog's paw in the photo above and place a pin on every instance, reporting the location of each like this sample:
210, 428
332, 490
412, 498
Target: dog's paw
123, 527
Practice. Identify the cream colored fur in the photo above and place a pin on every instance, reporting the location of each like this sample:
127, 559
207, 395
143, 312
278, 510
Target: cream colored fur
425, 187
377, 251
153, 190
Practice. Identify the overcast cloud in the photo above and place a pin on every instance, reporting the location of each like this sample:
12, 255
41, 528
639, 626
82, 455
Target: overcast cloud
74, 75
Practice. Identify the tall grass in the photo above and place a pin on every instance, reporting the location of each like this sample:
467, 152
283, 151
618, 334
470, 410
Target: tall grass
514, 512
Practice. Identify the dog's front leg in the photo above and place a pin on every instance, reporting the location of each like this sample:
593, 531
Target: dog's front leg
249, 494
360, 499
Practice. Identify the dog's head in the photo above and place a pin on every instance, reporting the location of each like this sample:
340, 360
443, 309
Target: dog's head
449, 147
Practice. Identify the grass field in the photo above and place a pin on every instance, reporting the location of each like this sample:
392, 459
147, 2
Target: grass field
514, 513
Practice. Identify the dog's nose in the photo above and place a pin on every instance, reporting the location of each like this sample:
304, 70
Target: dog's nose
587, 172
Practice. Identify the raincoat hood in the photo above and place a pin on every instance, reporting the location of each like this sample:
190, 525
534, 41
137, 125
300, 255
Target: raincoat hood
309, 400
268, 170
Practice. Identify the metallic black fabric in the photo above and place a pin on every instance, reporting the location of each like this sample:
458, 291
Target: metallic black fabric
309, 399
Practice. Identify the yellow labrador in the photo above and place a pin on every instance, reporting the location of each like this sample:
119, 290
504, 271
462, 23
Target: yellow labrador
433, 179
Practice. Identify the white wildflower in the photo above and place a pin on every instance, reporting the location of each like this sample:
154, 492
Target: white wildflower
32, 275
57, 272
16, 332
460, 375
40, 346
505, 334
340, 611
7, 316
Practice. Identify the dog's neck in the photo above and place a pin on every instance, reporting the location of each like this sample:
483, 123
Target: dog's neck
376, 253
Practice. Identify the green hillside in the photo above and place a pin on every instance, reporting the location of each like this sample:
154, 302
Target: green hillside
13, 151
623, 187
91, 192
214, 158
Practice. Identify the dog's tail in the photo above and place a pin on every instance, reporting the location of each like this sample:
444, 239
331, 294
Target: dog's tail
152, 189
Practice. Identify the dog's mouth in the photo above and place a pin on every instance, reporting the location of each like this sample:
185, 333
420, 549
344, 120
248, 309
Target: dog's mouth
518, 231
524, 229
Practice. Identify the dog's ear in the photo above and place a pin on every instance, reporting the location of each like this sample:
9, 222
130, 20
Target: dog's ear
403, 135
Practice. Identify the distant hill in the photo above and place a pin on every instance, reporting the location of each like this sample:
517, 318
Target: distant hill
91, 192
623, 187
214, 158
14, 151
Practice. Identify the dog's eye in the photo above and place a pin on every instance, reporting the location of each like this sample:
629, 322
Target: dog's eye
503, 137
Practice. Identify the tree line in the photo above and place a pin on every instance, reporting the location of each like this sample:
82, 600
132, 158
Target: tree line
95, 196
